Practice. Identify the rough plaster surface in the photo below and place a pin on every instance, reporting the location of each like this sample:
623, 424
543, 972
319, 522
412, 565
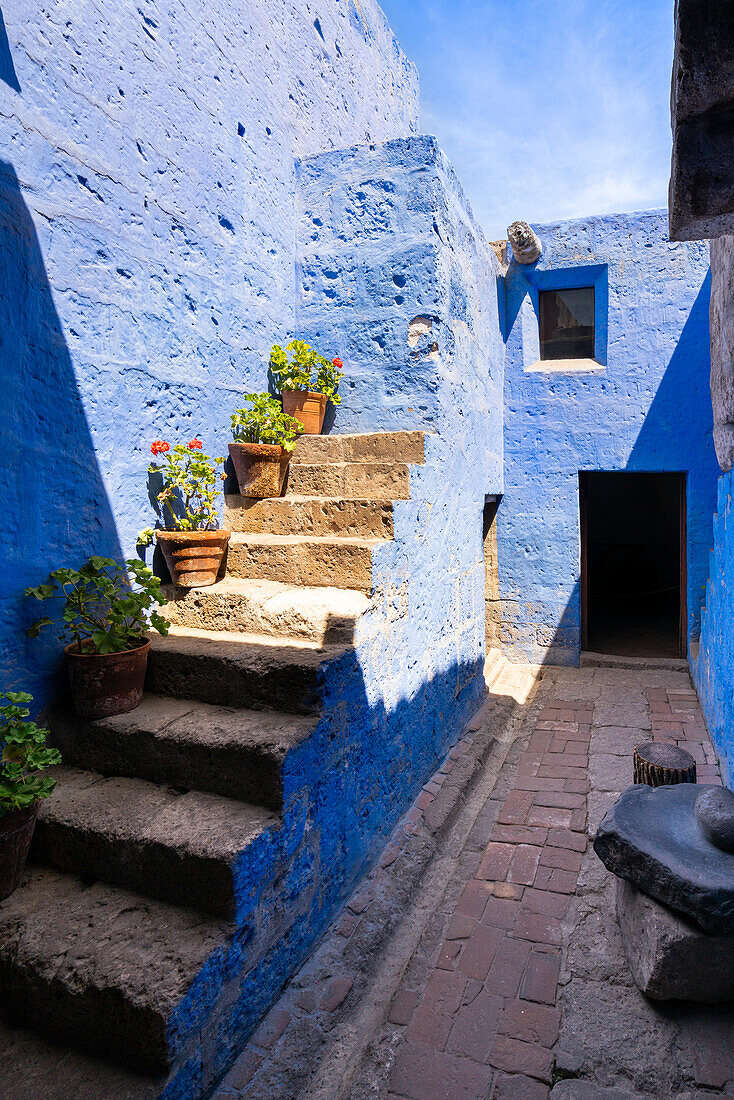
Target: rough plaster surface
649, 409
147, 243
722, 348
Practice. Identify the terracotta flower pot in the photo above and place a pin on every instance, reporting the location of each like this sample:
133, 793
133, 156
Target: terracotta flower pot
307, 407
260, 468
103, 684
193, 557
16, 832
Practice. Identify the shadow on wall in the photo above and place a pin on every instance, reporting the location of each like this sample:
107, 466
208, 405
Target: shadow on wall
7, 68
55, 506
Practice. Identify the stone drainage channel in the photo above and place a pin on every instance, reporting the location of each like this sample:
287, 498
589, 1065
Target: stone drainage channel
482, 959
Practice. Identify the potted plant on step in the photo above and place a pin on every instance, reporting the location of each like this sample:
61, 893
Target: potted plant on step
307, 381
264, 437
23, 760
106, 619
190, 541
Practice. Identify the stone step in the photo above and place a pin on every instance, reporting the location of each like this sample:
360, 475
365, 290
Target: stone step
240, 754
240, 670
310, 516
349, 480
190, 849
102, 969
405, 446
268, 607
303, 560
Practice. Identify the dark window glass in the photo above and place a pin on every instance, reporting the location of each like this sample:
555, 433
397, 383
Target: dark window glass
567, 323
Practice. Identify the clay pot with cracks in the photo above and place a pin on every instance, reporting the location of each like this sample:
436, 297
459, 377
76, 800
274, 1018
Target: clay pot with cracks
193, 558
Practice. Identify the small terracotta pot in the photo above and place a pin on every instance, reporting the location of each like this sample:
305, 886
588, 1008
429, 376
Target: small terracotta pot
306, 406
103, 684
193, 557
260, 468
16, 832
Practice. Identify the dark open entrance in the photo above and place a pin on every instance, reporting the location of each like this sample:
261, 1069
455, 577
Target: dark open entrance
633, 564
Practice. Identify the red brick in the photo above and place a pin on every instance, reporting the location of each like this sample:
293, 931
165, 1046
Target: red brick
432, 1018
273, 1027
533, 1023
479, 951
517, 1087
542, 878
360, 900
562, 882
557, 771
460, 927
496, 861
545, 902
533, 784
540, 981
473, 901
560, 799
403, 1006
564, 858
538, 928
424, 1074
576, 786
346, 924
474, 1027
424, 800
524, 864
528, 1058
578, 820
243, 1070
337, 991
519, 834
549, 817
515, 809
448, 955
507, 969
556, 725
564, 838
510, 890
565, 760
501, 912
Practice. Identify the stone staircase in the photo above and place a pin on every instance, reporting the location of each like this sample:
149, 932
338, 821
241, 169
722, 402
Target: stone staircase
175, 875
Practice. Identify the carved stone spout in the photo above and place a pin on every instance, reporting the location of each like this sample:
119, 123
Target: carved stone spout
526, 246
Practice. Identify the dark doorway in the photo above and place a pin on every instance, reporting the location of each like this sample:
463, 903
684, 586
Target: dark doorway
633, 564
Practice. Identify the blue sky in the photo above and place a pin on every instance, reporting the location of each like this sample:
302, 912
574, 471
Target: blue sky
548, 109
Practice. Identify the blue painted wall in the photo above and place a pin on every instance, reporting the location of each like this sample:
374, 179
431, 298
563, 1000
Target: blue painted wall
148, 244
646, 408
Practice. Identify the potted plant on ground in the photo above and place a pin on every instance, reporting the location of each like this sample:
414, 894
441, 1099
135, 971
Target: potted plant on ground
191, 543
306, 381
24, 757
264, 437
106, 619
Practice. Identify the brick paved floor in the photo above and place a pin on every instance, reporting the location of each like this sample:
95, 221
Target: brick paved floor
519, 977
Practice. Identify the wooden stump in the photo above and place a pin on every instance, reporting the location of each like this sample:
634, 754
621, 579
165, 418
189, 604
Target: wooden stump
658, 764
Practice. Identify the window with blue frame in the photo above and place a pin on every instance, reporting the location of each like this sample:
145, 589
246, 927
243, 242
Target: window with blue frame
567, 323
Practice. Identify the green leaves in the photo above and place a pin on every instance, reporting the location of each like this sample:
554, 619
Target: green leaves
24, 755
265, 422
187, 501
306, 370
102, 609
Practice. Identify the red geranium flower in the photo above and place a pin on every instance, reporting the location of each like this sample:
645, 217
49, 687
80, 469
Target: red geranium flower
194, 444
160, 447
337, 363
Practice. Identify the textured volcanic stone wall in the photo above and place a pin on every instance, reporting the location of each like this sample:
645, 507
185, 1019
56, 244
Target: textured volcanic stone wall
646, 406
147, 243
722, 348
395, 273
702, 110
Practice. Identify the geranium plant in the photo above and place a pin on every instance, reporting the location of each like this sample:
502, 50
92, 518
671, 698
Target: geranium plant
24, 755
187, 500
103, 612
265, 422
306, 369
